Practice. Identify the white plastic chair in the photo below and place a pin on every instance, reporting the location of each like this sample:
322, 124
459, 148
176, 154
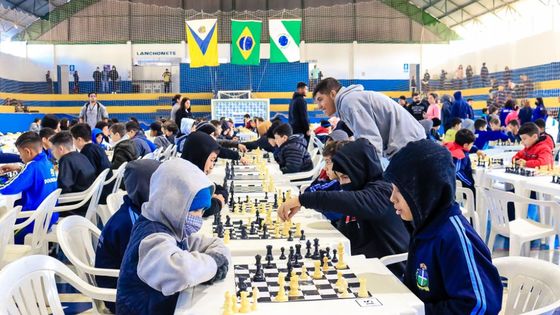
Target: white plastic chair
7, 222
168, 153
149, 156
35, 242
465, 198
114, 201
29, 286
318, 164
533, 285
393, 259
117, 177
521, 230
78, 239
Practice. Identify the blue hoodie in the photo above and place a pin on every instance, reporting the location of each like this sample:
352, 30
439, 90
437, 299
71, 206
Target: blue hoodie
449, 267
483, 137
35, 182
460, 108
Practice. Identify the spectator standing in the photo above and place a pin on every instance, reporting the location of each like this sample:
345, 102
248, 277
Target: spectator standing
469, 74
426, 82
166, 81
76, 82
49, 82
297, 114
484, 74
442, 78
105, 79
507, 75
459, 76
97, 79
433, 110
114, 76
315, 75
93, 111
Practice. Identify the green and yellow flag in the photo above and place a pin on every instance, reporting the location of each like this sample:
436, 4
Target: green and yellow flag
245, 42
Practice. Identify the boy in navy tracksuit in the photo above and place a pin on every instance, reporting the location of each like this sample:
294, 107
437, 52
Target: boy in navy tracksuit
448, 267
291, 155
116, 233
143, 145
484, 136
35, 181
464, 140
45, 134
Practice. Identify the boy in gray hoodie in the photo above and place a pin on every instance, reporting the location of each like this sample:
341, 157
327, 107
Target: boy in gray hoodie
371, 115
164, 255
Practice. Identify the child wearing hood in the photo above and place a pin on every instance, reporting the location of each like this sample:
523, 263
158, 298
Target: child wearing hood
164, 255
291, 155
202, 150
116, 233
370, 225
449, 267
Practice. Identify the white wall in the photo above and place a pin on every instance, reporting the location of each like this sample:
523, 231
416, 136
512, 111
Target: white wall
21, 69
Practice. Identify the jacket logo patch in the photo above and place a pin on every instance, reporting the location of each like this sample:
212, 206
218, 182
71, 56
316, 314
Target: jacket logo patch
422, 280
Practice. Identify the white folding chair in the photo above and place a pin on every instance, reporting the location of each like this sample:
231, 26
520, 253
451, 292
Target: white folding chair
7, 222
78, 239
29, 286
393, 259
114, 201
521, 230
318, 164
168, 153
35, 242
533, 285
465, 198
117, 177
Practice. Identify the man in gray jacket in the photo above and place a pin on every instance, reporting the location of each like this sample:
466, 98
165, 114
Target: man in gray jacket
371, 115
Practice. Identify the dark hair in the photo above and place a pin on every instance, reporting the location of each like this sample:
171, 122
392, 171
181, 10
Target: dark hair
72, 122
134, 119
89, 94
495, 121
283, 130
479, 123
485, 110
28, 139
246, 116
184, 104
415, 94
118, 128
332, 147
402, 97
101, 125
81, 131
63, 138
171, 126
509, 104
540, 123
514, 123
64, 124
434, 95
115, 120
156, 126
455, 121
301, 85
50, 121
46, 133
464, 136
132, 125
176, 98
215, 123
436, 122
270, 131
469, 100
36, 119
529, 129
327, 85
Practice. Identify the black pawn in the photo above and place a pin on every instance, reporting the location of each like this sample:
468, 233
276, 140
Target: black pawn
334, 257
266, 196
298, 251
291, 255
282, 255
308, 249
252, 230
265, 233
290, 236
302, 238
328, 252
244, 233
228, 221
290, 268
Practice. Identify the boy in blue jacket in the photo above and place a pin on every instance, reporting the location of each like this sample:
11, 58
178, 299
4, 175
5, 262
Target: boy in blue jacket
464, 140
483, 136
448, 267
291, 155
35, 181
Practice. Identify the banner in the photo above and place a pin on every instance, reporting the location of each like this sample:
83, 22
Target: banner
202, 37
285, 37
245, 42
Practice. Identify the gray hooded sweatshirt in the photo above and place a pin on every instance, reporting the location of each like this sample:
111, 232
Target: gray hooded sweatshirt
376, 117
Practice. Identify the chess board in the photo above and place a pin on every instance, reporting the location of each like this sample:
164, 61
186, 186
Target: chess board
245, 207
310, 289
520, 171
247, 189
6, 178
246, 176
235, 231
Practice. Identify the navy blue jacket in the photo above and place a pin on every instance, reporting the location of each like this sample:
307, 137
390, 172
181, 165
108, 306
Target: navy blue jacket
97, 157
143, 145
448, 267
460, 107
483, 137
75, 173
297, 114
261, 142
525, 115
326, 185
292, 156
463, 168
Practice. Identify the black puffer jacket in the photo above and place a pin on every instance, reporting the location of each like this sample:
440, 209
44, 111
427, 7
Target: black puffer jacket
124, 151
292, 156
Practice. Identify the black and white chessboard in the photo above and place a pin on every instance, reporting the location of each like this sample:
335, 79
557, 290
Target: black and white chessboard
236, 234
245, 207
310, 289
247, 189
246, 176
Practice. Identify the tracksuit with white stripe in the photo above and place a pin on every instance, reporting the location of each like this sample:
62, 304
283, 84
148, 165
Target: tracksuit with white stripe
449, 267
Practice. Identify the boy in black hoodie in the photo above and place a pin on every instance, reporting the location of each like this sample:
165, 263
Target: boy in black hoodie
202, 150
124, 150
93, 151
448, 267
291, 155
375, 232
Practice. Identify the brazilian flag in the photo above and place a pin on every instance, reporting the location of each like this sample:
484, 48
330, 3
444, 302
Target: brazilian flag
245, 42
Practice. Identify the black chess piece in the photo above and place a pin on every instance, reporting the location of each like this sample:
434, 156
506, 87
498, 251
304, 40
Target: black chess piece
269, 261
266, 196
283, 197
334, 257
269, 252
259, 273
282, 255
291, 254
298, 251
242, 285
265, 232
327, 252
290, 236
228, 220
247, 199
315, 255
290, 268
244, 232
220, 230
308, 249
297, 263
275, 205
302, 237
252, 230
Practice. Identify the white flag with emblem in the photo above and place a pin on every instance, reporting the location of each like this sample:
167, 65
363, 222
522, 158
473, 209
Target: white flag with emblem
285, 37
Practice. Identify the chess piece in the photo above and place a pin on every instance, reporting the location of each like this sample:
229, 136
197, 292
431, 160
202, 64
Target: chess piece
290, 267
298, 251
255, 297
334, 258
362, 291
265, 232
339, 279
317, 274
277, 232
282, 255
227, 304
294, 284
244, 232
327, 252
228, 221
226, 237
281, 296
302, 237
269, 252
325, 264
234, 307
341, 264
315, 255
269, 261
259, 273
286, 229
291, 255
290, 236
245, 306
303, 275
343, 289
252, 230
298, 230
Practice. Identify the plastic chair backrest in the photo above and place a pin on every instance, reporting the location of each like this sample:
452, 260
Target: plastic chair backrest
29, 286
119, 178
465, 198
115, 200
533, 285
91, 213
7, 222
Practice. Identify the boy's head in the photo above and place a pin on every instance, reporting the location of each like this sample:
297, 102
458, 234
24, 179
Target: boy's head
329, 151
218, 125
456, 123
201, 150
436, 123
423, 178
465, 138
170, 128
324, 94
402, 100
470, 101
529, 133
136, 179
541, 124
337, 135
45, 134
155, 129
415, 97
62, 144
117, 131
270, 133
104, 127
81, 134
480, 124
28, 145
356, 164
513, 126
282, 133
50, 121
495, 124
302, 88
132, 128
485, 111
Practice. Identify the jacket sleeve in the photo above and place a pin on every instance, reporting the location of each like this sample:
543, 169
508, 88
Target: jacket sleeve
227, 143
544, 157
228, 154
370, 203
293, 158
168, 269
206, 244
65, 178
21, 182
104, 113
462, 171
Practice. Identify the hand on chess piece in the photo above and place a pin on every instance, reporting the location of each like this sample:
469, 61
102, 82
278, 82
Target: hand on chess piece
244, 161
480, 154
289, 208
520, 162
241, 148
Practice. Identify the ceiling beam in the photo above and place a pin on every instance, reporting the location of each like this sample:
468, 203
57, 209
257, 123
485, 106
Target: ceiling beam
457, 8
431, 3
18, 6
492, 10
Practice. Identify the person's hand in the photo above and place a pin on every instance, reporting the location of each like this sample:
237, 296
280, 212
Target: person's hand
481, 154
220, 198
520, 162
289, 208
9, 168
223, 266
241, 148
243, 160
308, 133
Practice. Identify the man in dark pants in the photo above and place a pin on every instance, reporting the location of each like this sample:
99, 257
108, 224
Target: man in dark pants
297, 114
97, 79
